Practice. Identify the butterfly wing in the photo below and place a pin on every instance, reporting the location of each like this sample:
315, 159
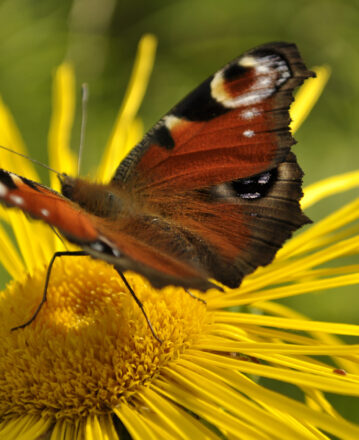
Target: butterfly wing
234, 125
42, 203
211, 192
218, 171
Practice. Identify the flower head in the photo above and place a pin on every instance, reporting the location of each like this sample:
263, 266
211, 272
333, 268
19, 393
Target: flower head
89, 367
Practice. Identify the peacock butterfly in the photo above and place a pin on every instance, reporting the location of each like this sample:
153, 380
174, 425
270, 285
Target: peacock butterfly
211, 192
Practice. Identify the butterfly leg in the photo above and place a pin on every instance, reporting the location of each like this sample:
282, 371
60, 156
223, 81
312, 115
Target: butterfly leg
140, 305
43, 300
192, 295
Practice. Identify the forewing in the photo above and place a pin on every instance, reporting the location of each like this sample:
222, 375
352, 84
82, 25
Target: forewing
42, 203
234, 125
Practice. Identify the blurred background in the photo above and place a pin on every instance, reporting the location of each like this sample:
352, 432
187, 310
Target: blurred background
196, 37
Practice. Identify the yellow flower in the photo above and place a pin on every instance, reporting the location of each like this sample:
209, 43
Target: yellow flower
89, 368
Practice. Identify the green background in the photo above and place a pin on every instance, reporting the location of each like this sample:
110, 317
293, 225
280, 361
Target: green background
196, 37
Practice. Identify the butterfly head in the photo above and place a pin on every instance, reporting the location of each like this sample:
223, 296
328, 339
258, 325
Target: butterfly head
97, 199
67, 185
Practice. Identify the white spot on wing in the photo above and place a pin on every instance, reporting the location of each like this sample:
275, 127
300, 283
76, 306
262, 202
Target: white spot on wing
264, 82
3, 190
171, 121
45, 212
217, 89
262, 69
250, 113
116, 252
97, 246
251, 98
248, 133
271, 71
247, 61
16, 179
264, 178
17, 200
250, 196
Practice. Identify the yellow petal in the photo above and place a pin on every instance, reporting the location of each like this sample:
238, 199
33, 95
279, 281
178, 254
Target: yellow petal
134, 423
293, 324
9, 257
320, 233
61, 157
307, 96
328, 187
136, 89
10, 137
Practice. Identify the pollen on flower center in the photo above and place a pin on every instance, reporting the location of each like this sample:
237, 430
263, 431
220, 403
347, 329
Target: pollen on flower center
90, 347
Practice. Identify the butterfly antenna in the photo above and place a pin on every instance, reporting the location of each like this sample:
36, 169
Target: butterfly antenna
85, 98
37, 162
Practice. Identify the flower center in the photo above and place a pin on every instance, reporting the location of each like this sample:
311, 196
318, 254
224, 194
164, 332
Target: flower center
90, 346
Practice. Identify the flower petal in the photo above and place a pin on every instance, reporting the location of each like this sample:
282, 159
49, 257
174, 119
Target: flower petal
61, 157
307, 96
115, 150
27, 427
294, 324
134, 423
9, 257
329, 187
10, 137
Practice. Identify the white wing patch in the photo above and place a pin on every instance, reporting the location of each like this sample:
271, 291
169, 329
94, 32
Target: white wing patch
248, 133
270, 72
17, 200
3, 190
250, 113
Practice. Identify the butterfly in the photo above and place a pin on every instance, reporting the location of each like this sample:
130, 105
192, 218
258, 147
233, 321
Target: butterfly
210, 193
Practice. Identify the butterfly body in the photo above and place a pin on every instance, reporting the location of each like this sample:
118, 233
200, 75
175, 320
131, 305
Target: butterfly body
212, 191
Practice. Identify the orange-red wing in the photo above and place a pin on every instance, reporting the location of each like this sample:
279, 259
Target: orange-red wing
45, 204
234, 125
